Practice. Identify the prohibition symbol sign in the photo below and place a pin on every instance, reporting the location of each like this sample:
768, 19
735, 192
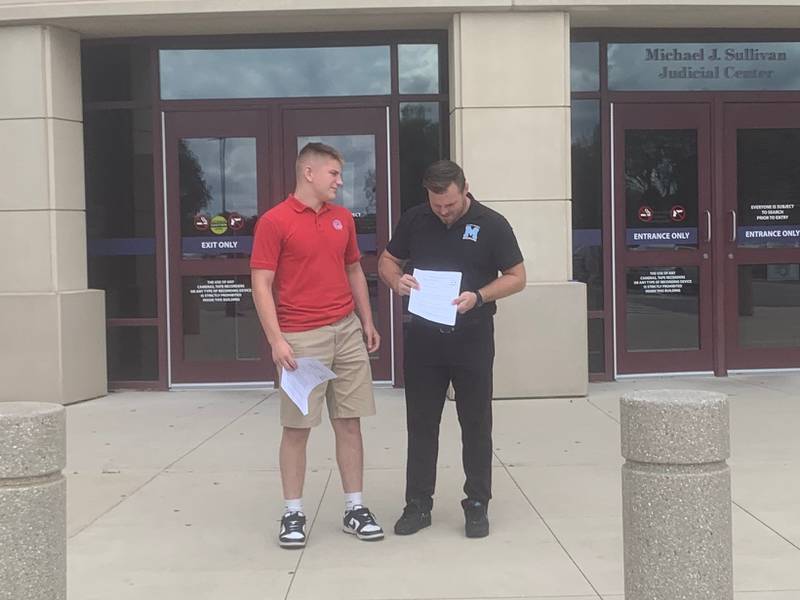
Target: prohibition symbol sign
677, 213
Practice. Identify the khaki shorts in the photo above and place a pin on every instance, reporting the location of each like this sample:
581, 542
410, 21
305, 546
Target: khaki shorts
340, 347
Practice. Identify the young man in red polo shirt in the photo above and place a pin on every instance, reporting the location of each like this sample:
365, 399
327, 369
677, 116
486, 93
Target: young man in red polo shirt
307, 280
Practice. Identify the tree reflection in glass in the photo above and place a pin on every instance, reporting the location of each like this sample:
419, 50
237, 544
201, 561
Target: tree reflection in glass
661, 174
359, 192
217, 178
587, 200
420, 145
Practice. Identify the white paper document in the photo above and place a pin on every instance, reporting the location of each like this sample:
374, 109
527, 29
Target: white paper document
298, 383
434, 298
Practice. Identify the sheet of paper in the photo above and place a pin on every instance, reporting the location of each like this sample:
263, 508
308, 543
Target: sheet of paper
434, 298
298, 383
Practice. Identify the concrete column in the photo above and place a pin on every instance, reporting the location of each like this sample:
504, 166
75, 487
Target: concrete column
676, 495
33, 505
53, 342
510, 131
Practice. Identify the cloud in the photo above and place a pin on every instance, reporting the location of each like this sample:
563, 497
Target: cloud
275, 72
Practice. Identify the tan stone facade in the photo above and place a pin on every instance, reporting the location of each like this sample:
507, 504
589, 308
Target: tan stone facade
510, 133
53, 342
509, 68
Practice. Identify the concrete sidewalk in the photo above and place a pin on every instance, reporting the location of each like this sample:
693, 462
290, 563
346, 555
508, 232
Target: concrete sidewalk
176, 496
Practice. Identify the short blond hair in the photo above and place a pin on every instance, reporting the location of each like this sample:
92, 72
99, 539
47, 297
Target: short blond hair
318, 150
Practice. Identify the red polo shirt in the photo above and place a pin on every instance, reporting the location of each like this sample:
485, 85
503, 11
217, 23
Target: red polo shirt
308, 252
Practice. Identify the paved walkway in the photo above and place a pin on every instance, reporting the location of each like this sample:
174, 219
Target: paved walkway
176, 496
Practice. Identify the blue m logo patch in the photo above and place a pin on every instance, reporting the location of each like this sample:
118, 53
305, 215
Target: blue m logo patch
471, 232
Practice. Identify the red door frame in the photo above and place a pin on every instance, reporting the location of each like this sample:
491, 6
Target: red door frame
671, 116
607, 98
178, 125
272, 126
730, 110
764, 115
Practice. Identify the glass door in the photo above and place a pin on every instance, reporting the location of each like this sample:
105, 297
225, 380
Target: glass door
762, 237
663, 233
359, 134
216, 188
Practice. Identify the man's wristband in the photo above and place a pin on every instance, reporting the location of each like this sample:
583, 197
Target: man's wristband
478, 299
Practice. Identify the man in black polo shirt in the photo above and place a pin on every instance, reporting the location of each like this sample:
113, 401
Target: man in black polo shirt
451, 232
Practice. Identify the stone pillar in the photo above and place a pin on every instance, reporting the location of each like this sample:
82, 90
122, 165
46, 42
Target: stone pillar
53, 341
33, 505
676, 495
510, 131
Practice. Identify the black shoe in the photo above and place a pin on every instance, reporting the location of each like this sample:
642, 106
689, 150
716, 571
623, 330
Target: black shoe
361, 523
476, 521
293, 530
414, 518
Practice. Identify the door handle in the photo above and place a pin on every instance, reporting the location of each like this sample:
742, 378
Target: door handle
733, 226
708, 226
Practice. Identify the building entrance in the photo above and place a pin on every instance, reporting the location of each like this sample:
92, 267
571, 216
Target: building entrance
706, 236
224, 169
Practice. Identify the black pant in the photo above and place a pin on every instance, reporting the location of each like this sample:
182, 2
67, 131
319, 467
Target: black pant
432, 360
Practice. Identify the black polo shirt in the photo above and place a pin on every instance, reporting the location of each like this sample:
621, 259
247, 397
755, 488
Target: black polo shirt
479, 244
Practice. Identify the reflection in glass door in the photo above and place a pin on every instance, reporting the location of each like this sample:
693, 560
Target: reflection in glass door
360, 136
663, 238
214, 186
762, 242
358, 192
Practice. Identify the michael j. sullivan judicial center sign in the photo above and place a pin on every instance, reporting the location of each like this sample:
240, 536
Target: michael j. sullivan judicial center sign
717, 66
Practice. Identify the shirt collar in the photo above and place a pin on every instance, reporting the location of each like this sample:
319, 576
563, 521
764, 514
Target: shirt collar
469, 215
473, 208
300, 207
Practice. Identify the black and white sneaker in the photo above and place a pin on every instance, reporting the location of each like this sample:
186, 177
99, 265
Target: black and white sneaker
361, 523
293, 530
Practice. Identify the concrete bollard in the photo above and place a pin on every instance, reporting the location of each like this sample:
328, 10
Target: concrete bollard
676, 495
33, 506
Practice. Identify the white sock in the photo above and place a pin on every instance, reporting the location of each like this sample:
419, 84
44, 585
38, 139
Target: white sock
352, 500
292, 505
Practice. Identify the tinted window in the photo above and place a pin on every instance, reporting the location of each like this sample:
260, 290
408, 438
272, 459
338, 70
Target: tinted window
585, 66
420, 145
275, 72
587, 200
115, 73
597, 351
120, 211
119, 173
769, 306
661, 188
132, 353
768, 187
219, 319
418, 68
218, 191
662, 307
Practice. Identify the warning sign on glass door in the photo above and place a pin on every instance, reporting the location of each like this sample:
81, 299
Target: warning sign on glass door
662, 281
770, 213
220, 290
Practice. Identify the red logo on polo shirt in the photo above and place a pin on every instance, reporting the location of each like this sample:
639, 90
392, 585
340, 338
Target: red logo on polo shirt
337, 224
